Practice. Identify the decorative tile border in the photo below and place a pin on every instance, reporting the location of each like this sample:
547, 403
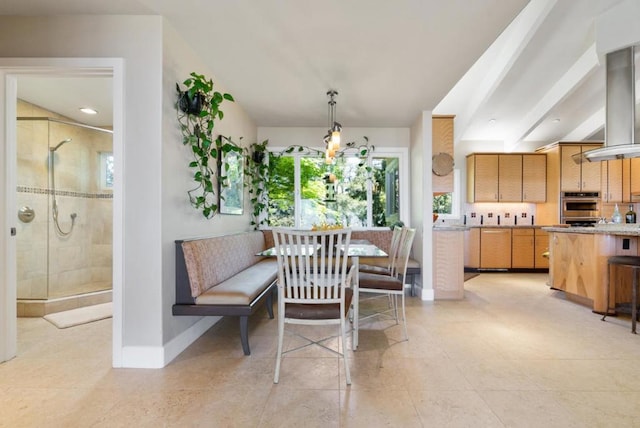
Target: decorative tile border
41, 191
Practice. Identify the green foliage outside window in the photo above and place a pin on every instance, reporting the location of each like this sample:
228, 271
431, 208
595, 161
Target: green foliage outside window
442, 204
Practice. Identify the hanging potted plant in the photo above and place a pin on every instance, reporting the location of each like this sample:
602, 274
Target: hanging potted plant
198, 108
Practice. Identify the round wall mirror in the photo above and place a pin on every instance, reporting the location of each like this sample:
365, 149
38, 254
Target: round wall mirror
442, 164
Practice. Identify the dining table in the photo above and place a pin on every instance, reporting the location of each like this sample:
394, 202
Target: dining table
357, 248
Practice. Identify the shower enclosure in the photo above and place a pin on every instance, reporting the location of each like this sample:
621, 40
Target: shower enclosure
64, 240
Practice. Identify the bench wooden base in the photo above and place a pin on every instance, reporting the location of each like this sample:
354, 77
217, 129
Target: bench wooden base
242, 311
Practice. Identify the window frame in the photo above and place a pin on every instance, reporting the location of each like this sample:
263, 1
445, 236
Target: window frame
402, 153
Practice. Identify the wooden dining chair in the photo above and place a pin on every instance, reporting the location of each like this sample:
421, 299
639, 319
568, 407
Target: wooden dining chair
313, 284
393, 283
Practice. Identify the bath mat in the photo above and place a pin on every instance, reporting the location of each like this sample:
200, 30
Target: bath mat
80, 316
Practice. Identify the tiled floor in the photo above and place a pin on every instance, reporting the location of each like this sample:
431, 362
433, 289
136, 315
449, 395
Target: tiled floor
513, 353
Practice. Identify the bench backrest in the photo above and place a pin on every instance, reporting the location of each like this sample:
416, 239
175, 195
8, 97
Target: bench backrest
210, 261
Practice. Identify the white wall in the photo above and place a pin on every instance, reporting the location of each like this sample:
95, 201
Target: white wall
421, 191
155, 176
179, 219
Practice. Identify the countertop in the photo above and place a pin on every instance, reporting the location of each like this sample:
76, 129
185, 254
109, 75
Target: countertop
450, 227
509, 226
603, 229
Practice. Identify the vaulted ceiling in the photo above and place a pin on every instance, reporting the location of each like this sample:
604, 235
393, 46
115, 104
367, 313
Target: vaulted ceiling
515, 71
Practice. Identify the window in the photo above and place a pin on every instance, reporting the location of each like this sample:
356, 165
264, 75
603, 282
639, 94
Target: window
304, 191
106, 170
447, 205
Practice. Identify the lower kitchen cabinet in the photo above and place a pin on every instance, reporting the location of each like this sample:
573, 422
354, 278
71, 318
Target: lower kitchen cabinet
472, 248
506, 248
542, 247
523, 248
495, 248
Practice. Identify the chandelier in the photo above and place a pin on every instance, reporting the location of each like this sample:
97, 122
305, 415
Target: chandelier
332, 139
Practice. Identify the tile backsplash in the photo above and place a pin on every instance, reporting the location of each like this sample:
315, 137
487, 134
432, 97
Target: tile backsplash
502, 213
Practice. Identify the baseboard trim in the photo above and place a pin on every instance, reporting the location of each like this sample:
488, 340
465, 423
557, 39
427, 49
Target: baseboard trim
157, 357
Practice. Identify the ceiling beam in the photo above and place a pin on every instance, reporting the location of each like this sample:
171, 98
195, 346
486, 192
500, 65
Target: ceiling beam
476, 87
569, 82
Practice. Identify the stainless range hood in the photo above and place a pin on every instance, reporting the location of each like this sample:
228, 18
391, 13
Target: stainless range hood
620, 110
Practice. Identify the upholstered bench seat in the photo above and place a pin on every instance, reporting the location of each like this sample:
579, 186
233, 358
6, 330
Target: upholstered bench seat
223, 276
243, 287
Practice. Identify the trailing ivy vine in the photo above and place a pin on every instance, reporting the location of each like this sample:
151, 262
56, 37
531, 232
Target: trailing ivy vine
257, 170
198, 107
256, 179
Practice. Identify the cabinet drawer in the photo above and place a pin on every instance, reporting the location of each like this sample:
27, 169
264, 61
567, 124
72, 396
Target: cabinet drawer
525, 231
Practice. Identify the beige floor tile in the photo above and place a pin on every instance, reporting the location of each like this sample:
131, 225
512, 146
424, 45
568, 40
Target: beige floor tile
454, 409
296, 408
512, 353
377, 408
530, 409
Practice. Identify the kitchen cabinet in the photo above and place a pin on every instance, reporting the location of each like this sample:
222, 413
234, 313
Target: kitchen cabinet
472, 248
495, 248
534, 178
616, 181
523, 248
578, 177
510, 178
541, 247
442, 142
482, 178
635, 176
513, 177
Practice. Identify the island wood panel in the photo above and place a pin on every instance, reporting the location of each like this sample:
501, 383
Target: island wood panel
442, 142
448, 264
510, 178
578, 266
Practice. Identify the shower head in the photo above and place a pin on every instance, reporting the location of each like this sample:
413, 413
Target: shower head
53, 149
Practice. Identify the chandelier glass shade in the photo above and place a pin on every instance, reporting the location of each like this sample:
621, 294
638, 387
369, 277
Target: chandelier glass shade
332, 139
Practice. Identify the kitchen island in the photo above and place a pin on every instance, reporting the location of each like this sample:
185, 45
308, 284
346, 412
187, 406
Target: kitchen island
578, 263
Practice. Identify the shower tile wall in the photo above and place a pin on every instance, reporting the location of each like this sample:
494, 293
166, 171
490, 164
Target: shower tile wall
81, 262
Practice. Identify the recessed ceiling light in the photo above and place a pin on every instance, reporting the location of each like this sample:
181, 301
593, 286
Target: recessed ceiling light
556, 120
492, 121
88, 110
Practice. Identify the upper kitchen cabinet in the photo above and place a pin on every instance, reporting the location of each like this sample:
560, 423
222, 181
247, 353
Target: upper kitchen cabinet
442, 142
513, 177
482, 178
616, 181
534, 178
578, 177
510, 178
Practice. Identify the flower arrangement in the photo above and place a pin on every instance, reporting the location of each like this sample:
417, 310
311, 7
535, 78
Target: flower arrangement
326, 226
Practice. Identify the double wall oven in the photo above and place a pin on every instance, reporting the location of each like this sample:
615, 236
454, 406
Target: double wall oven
580, 208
